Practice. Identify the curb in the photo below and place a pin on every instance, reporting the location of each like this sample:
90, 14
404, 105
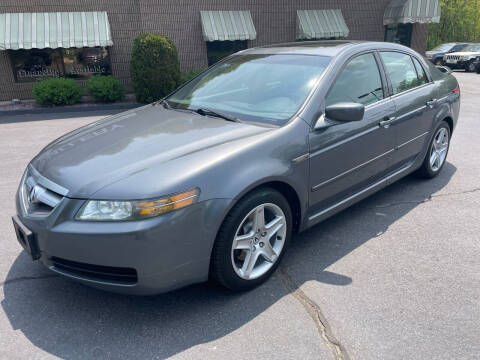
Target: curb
68, 109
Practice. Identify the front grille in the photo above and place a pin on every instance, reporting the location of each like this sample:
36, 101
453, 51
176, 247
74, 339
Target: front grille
120, 275
453, 57
36, 196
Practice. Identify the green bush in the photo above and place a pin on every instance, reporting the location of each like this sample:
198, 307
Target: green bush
57, 91
105, 89
189, 75
154, 67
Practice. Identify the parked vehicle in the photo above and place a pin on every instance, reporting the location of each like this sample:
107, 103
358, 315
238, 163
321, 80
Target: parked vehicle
464, 59
436, 54
213, 180
477, 65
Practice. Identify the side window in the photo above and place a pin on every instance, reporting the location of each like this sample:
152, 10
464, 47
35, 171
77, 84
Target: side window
359, 82
400, 70
422, 77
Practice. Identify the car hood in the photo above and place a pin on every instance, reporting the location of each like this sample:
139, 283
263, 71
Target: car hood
94, 156
433, 53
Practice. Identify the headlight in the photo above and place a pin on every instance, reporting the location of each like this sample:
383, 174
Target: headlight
104, 210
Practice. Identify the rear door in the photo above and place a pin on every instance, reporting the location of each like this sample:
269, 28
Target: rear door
347, 157
415, 101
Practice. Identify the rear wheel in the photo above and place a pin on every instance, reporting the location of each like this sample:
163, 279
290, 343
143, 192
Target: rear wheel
252, 240
437, 152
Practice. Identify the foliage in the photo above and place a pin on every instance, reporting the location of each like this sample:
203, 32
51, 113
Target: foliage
458, 23
57, 91
105, 89
189, 75
154, 67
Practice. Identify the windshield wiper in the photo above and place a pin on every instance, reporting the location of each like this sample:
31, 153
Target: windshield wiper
210, 112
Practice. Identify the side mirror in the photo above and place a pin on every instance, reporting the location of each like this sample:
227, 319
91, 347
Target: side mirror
345, 112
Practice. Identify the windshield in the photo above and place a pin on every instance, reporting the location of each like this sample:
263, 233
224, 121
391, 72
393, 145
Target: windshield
259, 88
472, 48
443, 48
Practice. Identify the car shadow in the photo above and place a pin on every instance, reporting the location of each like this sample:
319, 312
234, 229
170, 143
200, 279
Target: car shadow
72, 321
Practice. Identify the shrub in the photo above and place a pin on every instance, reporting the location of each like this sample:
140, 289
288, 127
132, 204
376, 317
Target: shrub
57, 91
189, 75
105, 89
154, 67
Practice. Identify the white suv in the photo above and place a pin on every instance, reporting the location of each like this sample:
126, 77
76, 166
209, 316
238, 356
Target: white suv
464, 59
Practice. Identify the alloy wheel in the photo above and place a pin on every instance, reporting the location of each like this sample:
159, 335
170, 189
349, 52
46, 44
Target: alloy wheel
259, 241
439, 149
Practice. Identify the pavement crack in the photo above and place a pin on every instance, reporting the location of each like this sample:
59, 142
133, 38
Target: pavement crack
422, 201
312, 308
25, 278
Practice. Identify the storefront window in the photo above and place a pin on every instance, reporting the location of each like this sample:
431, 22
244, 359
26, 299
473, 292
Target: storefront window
37, 64
399, 33
217, 50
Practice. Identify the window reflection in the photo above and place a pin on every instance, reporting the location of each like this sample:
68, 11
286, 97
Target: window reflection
38, 64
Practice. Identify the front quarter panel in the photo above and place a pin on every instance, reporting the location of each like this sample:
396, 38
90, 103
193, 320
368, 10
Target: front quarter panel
227, 171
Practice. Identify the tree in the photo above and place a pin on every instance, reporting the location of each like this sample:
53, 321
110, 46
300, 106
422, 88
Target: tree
154, 67
458, 23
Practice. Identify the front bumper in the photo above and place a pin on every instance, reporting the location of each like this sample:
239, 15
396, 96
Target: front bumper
164, 253
460, 64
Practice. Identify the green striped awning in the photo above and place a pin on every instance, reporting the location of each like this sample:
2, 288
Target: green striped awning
227, 25
54, 30
412, 11
321, 24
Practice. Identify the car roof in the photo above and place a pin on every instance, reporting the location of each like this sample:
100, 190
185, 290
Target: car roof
330, 48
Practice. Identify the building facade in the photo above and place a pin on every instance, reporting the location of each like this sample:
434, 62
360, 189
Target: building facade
79, 38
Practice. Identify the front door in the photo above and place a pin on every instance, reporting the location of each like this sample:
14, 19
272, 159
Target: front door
415, 100
347, 157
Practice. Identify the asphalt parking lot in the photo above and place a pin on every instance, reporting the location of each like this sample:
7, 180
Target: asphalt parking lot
397, 276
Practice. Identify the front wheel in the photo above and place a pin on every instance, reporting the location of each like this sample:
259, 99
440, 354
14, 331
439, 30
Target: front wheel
252, 240
437, 152
471, 67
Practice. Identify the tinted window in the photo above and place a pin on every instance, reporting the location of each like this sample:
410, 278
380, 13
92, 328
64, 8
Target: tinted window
458, 48
359, 82
472, 48
401, 71
262, 88
422, 77
217, 50
443, 48
399, 33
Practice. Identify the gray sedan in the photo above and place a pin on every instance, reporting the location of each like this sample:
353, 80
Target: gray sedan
213, 180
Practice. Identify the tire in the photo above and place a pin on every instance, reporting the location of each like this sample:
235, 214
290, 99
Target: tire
470, 67
429, 170
227, 263
439, 62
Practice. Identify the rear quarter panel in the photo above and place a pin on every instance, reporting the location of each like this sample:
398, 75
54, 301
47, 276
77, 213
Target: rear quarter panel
448, 102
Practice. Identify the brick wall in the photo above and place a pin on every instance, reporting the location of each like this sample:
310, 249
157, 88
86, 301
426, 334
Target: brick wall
125, 22
275, 21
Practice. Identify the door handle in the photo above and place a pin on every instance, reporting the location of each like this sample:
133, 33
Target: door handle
387, 121
431, 103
